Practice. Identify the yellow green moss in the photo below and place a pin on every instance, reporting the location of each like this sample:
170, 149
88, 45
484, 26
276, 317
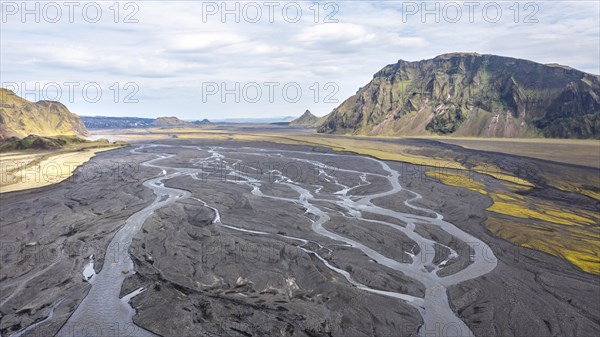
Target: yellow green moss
576, 245
516, 205
458, 180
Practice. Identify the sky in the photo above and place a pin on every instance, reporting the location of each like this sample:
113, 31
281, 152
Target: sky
233, 59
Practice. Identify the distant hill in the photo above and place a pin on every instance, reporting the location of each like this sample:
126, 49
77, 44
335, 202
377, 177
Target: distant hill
20, 118
468, 94
100, 122
257, 120
307, 120
165, 122
202, 122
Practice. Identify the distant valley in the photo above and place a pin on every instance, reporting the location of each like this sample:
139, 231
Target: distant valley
100, 122
257, 120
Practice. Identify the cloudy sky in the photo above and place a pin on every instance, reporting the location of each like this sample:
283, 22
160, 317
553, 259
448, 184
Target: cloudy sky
214, 60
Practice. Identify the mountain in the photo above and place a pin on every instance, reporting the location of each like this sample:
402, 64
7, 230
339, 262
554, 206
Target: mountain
170, 122
307, 119
202, 122
20, 118
468, 94
257, 120
99, 122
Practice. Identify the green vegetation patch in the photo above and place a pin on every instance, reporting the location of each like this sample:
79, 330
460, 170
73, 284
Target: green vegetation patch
447, 122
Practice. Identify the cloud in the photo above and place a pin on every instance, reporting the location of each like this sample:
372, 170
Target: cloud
171, 50
348, 33
204, 41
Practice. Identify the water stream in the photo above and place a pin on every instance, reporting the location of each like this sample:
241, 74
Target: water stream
103, 309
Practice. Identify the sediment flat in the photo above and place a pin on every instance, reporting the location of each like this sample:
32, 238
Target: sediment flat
279, 239
33, 169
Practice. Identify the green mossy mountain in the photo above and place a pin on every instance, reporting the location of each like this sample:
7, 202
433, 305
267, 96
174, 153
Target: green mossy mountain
20, 118
468, 94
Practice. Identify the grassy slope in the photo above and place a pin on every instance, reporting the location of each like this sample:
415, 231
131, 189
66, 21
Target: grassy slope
19, 117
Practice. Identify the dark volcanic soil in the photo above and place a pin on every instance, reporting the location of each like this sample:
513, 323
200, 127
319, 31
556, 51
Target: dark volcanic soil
204, 279
48, 234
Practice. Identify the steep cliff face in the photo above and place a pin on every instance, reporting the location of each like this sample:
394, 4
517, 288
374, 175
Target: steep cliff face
473, 95
20, 118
